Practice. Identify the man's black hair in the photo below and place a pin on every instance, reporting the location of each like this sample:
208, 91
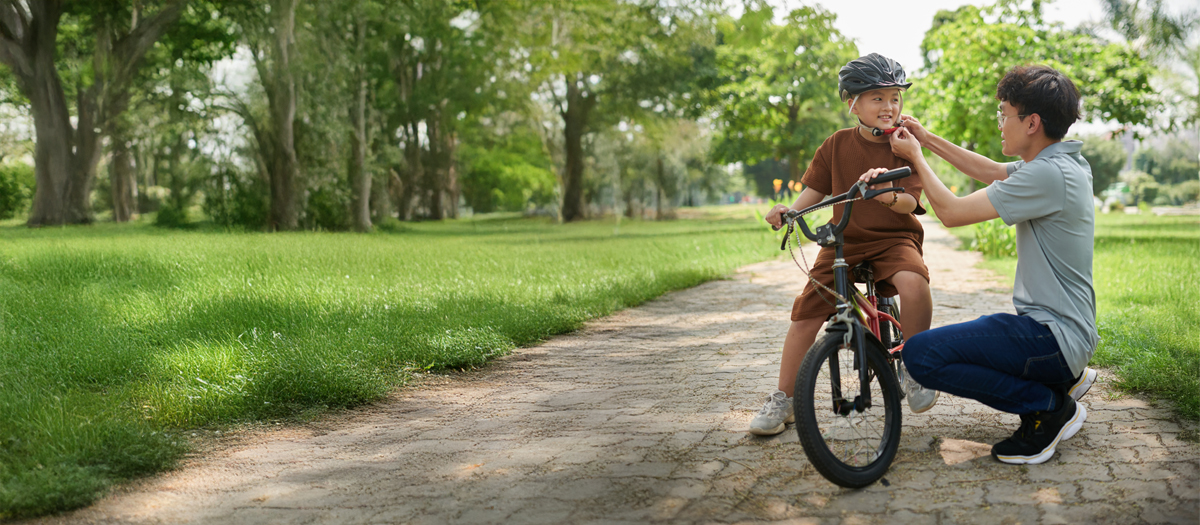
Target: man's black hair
1045, 91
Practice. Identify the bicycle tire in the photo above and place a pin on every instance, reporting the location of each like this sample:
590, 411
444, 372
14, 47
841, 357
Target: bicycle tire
856, 450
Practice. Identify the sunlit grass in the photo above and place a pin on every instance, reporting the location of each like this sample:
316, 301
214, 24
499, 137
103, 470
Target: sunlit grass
114, 338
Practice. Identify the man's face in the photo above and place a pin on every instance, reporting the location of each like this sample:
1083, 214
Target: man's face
1012, 130
879, 108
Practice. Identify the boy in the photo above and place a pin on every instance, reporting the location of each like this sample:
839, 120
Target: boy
1033, 364
884, 232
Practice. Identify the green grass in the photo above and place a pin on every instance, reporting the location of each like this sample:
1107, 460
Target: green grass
1147, 279
1147, 273
114, 339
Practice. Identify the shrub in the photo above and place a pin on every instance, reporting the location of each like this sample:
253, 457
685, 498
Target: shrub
328, 209
995, 239
16, 188
233, 200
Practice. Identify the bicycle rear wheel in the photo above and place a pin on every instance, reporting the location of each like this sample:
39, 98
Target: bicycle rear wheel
852, 448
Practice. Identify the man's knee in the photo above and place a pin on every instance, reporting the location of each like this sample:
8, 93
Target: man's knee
916, 356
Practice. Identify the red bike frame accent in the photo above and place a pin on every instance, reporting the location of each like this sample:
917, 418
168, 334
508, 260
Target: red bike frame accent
869, 308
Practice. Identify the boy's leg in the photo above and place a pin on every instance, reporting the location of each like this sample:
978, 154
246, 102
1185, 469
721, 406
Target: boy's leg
800, 337
917, 303
777, 412
916, 312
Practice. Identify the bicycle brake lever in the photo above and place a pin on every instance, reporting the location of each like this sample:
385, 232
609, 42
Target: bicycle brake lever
790, 225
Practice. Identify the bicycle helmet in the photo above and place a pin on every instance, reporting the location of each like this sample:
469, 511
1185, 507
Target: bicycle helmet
873, 71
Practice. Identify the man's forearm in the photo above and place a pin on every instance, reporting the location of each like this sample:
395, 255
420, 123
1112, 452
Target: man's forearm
970, 163
951, 209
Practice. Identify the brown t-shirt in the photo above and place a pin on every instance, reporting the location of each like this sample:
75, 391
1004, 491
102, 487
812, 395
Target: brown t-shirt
838, 164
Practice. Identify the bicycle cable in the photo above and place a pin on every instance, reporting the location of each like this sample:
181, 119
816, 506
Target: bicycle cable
805, 265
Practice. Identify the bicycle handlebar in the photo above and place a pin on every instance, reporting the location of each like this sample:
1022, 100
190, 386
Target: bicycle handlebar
790, 216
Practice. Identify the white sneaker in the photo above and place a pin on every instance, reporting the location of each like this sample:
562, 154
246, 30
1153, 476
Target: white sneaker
1084, 384
776, 413
920, 398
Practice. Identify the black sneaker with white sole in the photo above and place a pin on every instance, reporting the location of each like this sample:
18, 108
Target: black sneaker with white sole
1040, 433
1083, 384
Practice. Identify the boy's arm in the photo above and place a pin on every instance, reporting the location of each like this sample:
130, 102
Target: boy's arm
951, 209
970, 163
807, 198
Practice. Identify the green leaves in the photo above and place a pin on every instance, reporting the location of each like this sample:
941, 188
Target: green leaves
778, 93
969, 50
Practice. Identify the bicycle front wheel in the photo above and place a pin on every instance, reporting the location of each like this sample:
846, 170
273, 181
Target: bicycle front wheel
849, 443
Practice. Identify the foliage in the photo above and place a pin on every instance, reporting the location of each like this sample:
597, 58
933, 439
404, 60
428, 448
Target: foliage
968, 51
235, 200
1175, 163
1106, 156
995, 239
780, 99
506, 172
117, 337
16, 187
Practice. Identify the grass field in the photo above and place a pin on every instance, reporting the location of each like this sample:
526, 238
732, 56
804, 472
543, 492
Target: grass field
115, 338
1147, 279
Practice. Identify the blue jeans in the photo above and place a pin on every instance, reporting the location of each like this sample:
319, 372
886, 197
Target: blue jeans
1008, 362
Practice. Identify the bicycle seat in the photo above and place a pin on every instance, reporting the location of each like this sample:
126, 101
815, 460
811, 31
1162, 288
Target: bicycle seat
863, 273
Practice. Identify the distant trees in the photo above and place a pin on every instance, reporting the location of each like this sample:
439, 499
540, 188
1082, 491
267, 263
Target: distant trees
341, 114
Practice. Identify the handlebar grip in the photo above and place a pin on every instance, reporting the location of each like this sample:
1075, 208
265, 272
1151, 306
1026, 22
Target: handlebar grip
891, 175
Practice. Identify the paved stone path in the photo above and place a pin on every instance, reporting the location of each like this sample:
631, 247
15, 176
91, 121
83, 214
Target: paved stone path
641, 417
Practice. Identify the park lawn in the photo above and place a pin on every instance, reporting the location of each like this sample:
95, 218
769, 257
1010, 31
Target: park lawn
116, 339
1147, 279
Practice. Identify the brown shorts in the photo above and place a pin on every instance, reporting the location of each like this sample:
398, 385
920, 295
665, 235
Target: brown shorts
887, 256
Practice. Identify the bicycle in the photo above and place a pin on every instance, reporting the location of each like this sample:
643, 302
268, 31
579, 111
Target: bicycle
851, 441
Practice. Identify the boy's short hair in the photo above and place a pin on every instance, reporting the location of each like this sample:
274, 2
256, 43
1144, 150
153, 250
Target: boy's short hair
1045, 91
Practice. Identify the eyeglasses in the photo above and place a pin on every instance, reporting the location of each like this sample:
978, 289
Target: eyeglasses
1004, 118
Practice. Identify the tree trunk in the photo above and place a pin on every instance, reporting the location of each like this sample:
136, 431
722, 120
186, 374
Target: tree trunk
122, 175
434, 178
360, 178
283, 165
451, 181
53, 151
575, 117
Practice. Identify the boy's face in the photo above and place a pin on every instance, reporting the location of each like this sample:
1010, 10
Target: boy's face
879, 108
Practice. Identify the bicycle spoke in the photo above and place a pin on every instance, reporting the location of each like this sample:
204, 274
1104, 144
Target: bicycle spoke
855, 439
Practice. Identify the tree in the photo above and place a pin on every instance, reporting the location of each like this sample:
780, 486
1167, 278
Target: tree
66, 155
643, 61
968, 51
1106, 155
781, 100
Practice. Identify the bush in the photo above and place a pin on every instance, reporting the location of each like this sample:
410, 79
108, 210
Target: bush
328, 209
233, 200
995, 239
171, 217
16, 189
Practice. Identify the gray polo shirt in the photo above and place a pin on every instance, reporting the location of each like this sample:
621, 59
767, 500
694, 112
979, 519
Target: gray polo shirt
1050, 202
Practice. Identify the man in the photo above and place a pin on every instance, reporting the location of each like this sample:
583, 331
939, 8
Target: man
1034, 363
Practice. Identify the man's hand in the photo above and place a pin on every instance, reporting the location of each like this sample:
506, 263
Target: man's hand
914, 126
775, 216
905, 145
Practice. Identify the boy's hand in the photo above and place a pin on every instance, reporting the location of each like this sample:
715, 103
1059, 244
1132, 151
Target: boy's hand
871, 174
905, 145
914, 126
775, 216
